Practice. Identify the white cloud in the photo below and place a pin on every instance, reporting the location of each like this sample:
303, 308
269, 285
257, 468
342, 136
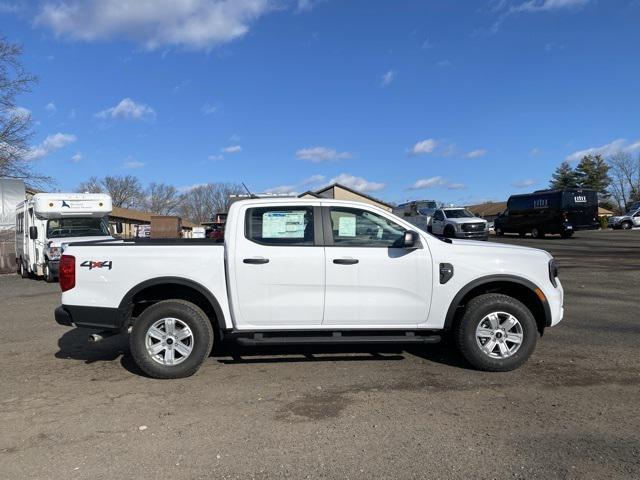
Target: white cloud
435, 182
133, 164
387, 78
548, 5
443, 64
20, 112
321, 154
357, 183
127, 109
424, 147
481, 152
193, 24
313, 179
282, 190
534, 152
526, 183
51, 108
216, 158
307, 5
232, 149
426, 45
430, 182
50, 144
619, 145
77, 157
209, 109
188, 188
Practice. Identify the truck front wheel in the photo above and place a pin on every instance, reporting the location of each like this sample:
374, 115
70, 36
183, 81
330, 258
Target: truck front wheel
171, 339
497, 333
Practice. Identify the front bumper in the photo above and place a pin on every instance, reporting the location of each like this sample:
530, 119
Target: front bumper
483, 235
90, 317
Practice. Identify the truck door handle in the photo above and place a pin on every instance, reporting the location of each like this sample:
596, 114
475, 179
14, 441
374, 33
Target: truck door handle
345, 261
256, 261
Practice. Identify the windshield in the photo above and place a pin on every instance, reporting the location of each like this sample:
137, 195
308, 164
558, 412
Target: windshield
77, 227
426, 211
458, 213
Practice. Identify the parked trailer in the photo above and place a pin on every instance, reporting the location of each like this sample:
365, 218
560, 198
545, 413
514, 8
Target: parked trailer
49, 221
11, 193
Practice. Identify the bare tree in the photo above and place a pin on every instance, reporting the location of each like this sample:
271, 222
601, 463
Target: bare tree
625, 178
200, 203
161, 199
125, 191
92, 185
15, 122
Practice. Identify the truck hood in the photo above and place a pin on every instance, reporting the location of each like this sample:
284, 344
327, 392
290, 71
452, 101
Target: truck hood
490, 248
467, 220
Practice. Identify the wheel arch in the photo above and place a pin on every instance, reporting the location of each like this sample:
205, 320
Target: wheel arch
517, 287
146, 293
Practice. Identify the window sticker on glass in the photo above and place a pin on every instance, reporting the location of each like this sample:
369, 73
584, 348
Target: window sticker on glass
283, 224
347, 227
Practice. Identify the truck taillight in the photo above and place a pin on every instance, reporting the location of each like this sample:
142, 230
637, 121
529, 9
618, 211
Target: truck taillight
67, 272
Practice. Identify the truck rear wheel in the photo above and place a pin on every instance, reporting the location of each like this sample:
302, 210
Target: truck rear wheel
171, 339
497, 333
24, 273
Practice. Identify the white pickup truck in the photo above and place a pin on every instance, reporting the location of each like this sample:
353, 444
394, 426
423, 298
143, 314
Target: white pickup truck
310, 271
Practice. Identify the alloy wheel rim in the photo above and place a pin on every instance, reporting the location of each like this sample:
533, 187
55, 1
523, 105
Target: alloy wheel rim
169, 341
499, 335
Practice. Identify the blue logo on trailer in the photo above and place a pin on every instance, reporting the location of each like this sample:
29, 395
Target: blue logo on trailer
65, 204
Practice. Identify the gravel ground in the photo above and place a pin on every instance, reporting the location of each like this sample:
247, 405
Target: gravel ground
75, 410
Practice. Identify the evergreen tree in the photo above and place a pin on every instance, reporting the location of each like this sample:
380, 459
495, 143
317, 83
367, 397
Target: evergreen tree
593, 172
563, 177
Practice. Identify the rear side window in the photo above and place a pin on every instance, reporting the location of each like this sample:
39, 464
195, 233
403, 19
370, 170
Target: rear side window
285, 226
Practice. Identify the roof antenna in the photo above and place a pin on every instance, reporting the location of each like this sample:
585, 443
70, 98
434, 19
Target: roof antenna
251, 195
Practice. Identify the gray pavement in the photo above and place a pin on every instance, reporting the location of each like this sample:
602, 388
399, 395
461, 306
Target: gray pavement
74, 410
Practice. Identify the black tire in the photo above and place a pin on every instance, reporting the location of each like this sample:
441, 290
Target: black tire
189, 314
48, 276
449, 232
24, 273
476, 311
537, 232
626, 225
499, 232
566, 234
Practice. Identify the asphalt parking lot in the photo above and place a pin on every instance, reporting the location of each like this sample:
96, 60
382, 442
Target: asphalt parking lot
75, 410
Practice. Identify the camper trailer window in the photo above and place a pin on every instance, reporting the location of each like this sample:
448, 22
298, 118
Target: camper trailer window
77, 227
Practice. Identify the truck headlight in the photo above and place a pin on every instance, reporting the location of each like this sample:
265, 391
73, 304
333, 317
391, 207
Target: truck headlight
553, 272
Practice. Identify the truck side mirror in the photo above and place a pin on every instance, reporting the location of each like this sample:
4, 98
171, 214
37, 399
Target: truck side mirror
410, 239
33, 232
119, 228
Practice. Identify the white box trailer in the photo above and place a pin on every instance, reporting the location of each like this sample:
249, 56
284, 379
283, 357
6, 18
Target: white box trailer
47, 221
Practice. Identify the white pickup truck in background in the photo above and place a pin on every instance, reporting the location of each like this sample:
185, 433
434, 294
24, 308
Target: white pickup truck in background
305, 271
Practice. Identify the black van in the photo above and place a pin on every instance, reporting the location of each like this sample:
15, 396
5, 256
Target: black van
550, 211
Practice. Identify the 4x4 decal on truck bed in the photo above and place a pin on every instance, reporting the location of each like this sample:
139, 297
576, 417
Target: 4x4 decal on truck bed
91, 264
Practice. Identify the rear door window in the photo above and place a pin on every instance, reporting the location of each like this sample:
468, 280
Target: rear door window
284, 226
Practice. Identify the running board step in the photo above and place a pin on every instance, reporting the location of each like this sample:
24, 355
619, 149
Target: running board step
336, 339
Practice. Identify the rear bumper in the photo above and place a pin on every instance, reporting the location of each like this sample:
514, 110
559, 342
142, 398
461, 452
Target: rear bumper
90, 317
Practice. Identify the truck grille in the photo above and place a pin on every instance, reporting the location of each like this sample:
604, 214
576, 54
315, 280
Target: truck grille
472, 227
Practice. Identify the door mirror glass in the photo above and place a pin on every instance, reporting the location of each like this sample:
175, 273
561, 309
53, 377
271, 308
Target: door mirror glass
411, 239
33, 232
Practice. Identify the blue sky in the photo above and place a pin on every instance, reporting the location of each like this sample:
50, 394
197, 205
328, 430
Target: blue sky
458, 101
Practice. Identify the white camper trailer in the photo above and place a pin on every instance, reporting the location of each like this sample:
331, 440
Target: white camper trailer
48, 220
